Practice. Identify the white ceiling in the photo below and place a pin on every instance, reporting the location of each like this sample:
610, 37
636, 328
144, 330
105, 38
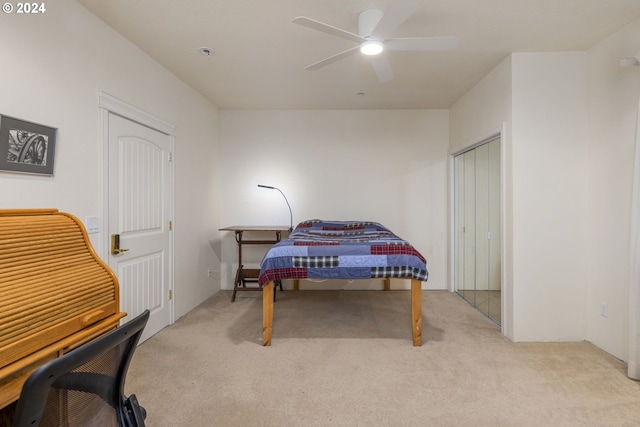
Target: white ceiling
260, 54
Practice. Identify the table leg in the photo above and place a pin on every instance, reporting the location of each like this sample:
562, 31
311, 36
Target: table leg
236, 283
416, 311
267, 313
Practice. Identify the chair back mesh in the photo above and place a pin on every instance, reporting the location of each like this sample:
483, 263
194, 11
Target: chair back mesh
86, 396
85, 387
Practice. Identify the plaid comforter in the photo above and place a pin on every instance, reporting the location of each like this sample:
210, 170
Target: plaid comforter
342, 250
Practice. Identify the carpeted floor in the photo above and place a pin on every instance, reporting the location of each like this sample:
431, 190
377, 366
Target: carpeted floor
345, 358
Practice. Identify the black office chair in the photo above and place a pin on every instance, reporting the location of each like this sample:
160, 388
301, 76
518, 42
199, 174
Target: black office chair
85, 387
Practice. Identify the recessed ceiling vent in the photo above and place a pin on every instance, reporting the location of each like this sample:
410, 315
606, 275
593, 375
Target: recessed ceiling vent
206, 51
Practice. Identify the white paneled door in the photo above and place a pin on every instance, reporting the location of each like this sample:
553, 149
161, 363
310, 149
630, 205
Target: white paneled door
139, 199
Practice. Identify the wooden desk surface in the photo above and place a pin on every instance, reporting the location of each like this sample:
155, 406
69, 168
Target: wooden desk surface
255, 228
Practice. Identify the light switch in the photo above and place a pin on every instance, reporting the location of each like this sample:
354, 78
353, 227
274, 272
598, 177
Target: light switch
92, 223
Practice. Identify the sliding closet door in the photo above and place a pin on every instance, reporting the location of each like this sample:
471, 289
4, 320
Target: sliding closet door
465, 220
482, 228
495, 233
477, 227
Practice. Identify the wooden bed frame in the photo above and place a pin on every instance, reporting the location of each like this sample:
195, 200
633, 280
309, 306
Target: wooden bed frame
416, 310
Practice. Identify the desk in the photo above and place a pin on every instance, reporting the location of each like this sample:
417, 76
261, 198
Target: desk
250, 275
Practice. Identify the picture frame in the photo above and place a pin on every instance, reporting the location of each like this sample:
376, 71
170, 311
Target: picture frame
26, 147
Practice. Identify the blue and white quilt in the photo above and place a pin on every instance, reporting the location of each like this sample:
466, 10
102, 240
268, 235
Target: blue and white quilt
319, 249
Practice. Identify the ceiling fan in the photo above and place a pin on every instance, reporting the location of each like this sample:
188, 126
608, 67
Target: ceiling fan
374, 31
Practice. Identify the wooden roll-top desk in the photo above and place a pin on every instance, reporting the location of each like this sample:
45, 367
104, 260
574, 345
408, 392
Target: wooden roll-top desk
55, 293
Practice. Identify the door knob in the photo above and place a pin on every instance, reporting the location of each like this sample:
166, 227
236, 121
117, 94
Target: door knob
115, 245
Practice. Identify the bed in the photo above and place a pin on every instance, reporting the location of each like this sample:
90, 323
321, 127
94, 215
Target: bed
318, 249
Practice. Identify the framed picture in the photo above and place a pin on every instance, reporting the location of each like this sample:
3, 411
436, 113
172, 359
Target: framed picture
26, 147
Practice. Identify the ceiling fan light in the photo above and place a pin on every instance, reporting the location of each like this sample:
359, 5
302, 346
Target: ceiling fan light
371, 47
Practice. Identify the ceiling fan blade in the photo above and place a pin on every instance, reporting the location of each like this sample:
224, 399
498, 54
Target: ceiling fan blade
382, 68
397, 13
422, 43
332, 59
329, 29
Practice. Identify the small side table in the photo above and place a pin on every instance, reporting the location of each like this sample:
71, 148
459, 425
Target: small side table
250, 275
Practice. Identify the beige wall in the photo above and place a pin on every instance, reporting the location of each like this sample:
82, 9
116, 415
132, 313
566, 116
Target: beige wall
541, 99
570, 120
482, 111
53, 67
549, 200
613, 109
388, 166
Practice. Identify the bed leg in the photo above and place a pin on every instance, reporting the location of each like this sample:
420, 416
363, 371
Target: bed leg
267, 313
416, 311
387, 284
296, 284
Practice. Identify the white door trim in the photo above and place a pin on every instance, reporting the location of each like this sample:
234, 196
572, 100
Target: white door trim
109, 104
131, 112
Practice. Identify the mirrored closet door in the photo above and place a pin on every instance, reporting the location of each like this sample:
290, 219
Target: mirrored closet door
477, 228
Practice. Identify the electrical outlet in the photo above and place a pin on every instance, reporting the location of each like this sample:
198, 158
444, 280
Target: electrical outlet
604, 311
210, 272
